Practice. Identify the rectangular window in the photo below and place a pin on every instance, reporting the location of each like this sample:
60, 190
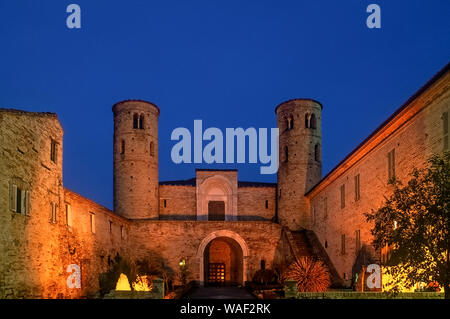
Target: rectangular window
122, 232
391, 165
313, 217
216, 210
19, 200
342, 195
53, 213
13, 197
110, 227
267, 204
325, 208
165, 203
343, 244
358, 240
54, 151
445, 130
27, 202
357, 188
68, 215
92, 222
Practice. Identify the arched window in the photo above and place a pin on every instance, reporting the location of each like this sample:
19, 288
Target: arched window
317, 152
141, 121
152, 149
289, 123
306, 120
135, 121
122, 150
286, 153
312, 121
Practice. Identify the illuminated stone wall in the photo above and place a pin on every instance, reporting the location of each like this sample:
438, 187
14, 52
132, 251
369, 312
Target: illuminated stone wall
299, 169
93, 251
135, 160
35, 250
30, 258
415, 134
180, 202
173, 240
252, 203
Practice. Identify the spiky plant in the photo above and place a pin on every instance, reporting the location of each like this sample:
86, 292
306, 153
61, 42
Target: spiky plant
310, 274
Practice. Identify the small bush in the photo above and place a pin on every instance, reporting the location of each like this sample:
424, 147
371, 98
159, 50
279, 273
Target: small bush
117, 266
264, 277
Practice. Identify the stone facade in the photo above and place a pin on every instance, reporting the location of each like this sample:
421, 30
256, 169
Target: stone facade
300, 168
412, 134
213, 217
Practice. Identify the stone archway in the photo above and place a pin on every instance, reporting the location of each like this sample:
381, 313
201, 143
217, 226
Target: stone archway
233, 239
216, 189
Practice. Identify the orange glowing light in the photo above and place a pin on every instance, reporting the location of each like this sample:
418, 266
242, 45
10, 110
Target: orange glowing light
143, 283
123, 284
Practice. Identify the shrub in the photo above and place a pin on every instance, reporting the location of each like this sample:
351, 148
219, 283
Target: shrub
310, 274
264, 277
117, 266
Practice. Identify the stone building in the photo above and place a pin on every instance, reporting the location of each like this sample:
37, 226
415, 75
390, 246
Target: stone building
223, 229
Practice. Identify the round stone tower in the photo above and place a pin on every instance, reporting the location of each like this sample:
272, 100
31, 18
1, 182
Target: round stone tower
300, 160
136, 184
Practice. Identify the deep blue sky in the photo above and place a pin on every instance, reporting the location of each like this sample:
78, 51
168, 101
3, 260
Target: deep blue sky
228, 63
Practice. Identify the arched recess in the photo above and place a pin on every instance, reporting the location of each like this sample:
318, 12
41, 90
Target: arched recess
227, 234
216, 188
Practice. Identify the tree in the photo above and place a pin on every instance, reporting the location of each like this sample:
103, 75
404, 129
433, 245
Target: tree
414, 225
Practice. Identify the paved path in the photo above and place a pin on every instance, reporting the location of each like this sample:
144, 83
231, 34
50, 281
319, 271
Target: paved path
219, 293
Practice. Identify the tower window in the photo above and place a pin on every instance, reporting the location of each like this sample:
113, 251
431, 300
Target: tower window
263, 264
110, 227
306, 120
135, 121
290, 123
286, 154
122, 150
317, 152
165, 203
152, 149
267, 204
343, 196
312, 121
54, 151
141, 121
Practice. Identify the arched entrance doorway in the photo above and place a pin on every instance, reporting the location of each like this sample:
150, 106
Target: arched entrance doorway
223, 263
222, 257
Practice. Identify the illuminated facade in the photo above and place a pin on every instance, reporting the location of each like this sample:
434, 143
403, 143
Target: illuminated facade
222, 229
